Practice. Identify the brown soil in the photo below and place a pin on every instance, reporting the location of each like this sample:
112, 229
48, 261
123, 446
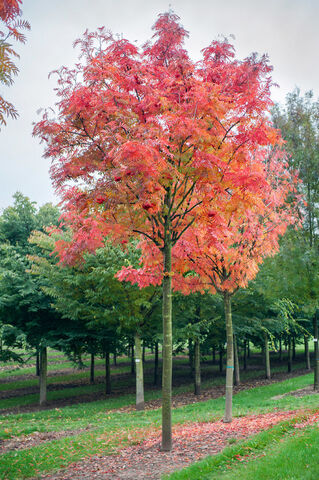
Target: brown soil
35, 438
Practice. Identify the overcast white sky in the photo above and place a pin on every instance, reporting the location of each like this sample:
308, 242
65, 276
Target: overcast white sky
285, 29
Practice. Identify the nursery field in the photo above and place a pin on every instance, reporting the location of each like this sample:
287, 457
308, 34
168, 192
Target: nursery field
82, 433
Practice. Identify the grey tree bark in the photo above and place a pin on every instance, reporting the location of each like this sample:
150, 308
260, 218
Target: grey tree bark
280, 349
307, 354
316, 351
236, 362
132, 359
139, 373
229, 359
197, 367
289, 355
167, 349
43, 375
108, 386
245, 355
37, 362
156, 364
267, 357
92, 368
191, 357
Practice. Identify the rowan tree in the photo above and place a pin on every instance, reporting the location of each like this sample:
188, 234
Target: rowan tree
10, 11
148, 143
252, 234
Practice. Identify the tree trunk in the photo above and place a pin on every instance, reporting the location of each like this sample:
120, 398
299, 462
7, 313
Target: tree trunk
280, 349
229, 360
108, 388
294, 348
132, 360
214, 355
143, 354
267, 357
263, 355
197, 367
139, 373
316, 349
307, 354
92, 369
167, 349
43, 375
236, 362
248, 349
191, 357
245, 355
156, 364
221, 358
37, 362
289, 355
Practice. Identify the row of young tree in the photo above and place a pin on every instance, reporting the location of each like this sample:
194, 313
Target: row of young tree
86, 309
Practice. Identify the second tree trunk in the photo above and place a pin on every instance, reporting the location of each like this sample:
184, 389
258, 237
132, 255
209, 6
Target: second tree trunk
139, 373
229, 359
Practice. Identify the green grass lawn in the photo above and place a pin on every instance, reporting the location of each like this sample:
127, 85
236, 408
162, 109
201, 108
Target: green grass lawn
55, 454
281, 453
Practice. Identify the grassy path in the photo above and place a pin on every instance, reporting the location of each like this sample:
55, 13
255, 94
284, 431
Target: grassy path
287, 451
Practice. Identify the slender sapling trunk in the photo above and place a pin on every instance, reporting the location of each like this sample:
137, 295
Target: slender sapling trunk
191, 356
143, 354
307, 354
132, 360
267, 357
289, 355
245, 355
92, 368
43, 375
37, 362
139, 373
108, 387
167, 348
156, 364
236, 362
229, 359
197, 367
316, 351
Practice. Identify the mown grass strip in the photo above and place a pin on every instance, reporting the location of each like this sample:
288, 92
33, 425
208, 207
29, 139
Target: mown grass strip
62, 378
263, 457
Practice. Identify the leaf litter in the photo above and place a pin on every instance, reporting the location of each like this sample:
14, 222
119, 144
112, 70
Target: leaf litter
191, 442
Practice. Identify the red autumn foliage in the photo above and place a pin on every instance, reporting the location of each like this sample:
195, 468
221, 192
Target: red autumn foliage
148, 124
10, 11
165, 140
